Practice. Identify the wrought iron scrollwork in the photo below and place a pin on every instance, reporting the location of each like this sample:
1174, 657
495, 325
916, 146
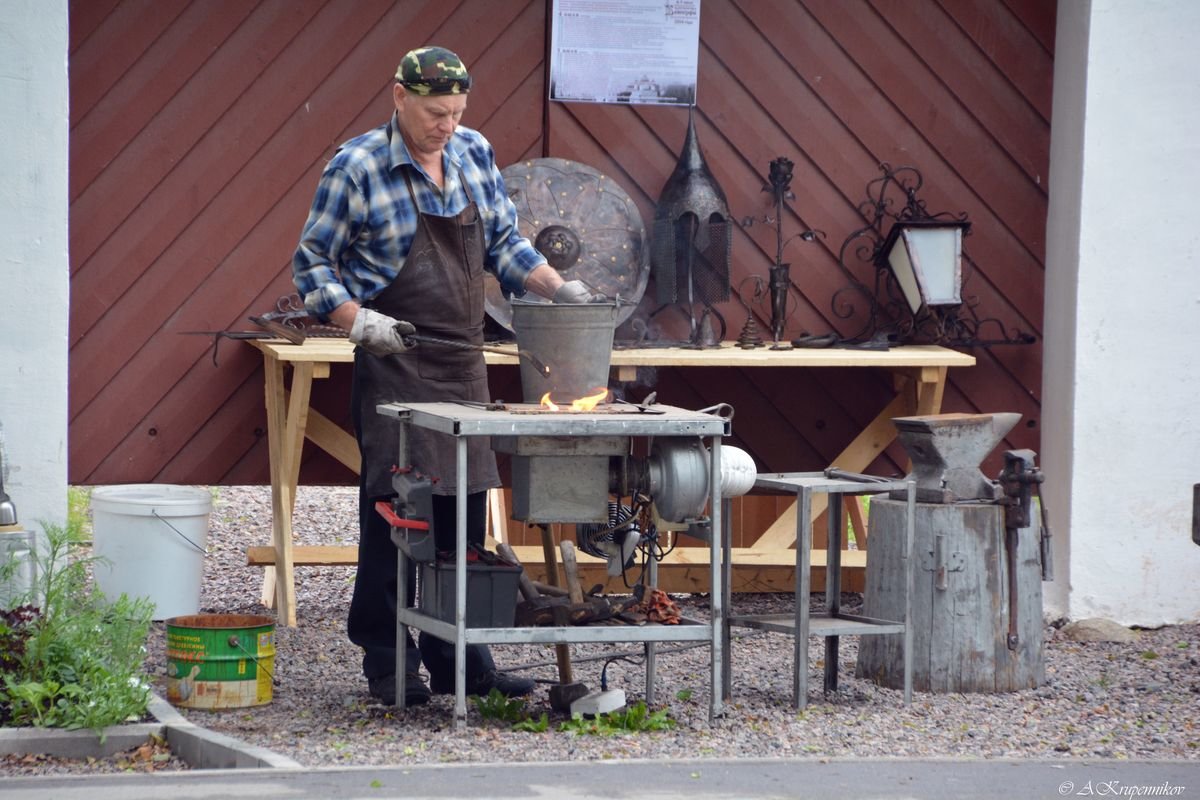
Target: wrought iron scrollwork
892, 198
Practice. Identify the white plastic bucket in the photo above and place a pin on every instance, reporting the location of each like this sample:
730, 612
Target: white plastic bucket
150, 540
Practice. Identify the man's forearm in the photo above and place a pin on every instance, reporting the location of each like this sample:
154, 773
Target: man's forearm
543, 280
343, 315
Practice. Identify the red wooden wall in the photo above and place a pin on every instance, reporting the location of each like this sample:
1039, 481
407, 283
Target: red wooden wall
199, 127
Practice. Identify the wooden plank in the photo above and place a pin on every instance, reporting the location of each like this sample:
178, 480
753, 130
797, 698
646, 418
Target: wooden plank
281, 510
117, 34
690, 575
86, 16
148, 85
1038, 17
319, 555
183, 158
856, 519
1016, 51
973, 612
979, 86
330, 437
497, 517
727, 354
881, 658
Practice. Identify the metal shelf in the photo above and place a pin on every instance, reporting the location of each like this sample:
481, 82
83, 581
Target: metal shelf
831, 624
462, 421
690, 631
818, 624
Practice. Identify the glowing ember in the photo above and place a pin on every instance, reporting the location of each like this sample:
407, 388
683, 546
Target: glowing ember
581, 404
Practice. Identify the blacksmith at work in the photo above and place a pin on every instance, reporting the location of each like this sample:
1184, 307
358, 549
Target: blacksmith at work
406, 219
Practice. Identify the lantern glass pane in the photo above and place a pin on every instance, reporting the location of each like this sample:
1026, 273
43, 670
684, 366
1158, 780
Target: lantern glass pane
935, 255
902, 268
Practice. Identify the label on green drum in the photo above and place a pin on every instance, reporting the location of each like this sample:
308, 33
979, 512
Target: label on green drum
219, 668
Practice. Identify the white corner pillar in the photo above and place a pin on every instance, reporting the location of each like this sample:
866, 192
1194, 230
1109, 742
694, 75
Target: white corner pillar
1121, 403
34, 269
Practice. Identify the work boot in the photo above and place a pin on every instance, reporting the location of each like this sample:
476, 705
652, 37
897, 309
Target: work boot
506, 683
481, 685
383, 689
482, 675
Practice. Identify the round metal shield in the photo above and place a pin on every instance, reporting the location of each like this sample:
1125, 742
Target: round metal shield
585, 225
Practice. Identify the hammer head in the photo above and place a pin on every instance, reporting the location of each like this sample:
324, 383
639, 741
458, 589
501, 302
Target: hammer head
563, 694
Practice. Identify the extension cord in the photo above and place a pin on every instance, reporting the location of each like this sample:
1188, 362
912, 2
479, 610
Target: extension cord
595, 703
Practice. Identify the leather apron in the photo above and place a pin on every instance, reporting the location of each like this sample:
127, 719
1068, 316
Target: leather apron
440, 290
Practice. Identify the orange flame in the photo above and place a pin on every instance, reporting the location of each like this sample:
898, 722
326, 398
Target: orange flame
590, 401
586, 403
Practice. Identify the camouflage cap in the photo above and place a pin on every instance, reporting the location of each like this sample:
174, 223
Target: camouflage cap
433, 70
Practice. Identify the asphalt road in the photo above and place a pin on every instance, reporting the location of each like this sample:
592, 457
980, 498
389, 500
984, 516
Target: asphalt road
676, 780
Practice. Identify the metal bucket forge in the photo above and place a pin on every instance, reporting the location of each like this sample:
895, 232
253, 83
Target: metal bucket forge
574, 341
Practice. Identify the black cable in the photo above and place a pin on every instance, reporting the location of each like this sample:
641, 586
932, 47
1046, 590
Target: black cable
637, 662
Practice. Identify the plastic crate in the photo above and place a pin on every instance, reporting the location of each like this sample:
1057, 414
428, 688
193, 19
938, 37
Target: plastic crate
491, 593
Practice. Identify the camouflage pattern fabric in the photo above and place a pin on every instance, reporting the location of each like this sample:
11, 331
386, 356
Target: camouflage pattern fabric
433, 70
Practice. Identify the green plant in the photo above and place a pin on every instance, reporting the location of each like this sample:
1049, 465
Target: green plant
496, 706
79, 499
531, 725
633, 719
80, 660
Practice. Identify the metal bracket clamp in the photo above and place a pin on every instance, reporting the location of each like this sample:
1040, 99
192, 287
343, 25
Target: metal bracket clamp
939, 562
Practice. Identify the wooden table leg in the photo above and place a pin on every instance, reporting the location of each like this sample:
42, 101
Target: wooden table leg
287, 417
275, 395
562, 652
930, 386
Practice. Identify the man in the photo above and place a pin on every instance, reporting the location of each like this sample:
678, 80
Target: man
405, 220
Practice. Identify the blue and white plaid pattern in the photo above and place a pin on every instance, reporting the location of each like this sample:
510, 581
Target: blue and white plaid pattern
363, 220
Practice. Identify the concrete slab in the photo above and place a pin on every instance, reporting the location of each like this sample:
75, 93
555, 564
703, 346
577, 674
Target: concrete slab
198, 747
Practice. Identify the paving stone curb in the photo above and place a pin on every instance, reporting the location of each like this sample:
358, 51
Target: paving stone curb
198, 747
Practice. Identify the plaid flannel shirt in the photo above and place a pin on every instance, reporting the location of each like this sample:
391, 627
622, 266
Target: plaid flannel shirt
363, 218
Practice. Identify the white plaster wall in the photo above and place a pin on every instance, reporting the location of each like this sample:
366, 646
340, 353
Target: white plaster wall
34, 269
1121, 444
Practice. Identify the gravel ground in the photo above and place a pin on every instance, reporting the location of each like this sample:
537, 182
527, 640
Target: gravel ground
1138, 700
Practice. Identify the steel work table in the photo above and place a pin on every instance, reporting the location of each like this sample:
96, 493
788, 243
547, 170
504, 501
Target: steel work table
919, 370
832, 623
463, 421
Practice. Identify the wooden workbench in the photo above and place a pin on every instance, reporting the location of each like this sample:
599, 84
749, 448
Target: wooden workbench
919, 370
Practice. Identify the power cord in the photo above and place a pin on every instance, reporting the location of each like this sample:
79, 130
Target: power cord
637, 662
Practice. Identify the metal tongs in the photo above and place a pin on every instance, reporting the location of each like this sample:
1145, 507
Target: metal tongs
536, 362
643, 407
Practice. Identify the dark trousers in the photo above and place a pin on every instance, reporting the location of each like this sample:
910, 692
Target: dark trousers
372, 622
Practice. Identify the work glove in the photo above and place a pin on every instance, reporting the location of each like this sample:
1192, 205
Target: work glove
379, 334
576, 292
